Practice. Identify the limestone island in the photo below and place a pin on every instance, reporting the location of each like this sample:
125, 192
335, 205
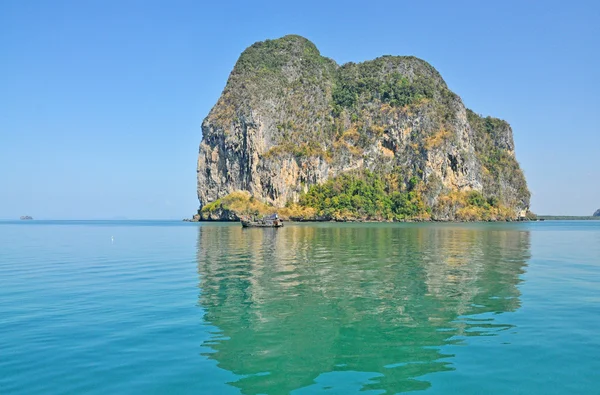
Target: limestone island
296, 134
597, 213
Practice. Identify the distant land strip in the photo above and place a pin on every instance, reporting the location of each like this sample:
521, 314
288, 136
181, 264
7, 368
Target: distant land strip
567, 218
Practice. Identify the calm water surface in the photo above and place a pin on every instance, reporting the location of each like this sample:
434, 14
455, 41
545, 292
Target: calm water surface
166, 307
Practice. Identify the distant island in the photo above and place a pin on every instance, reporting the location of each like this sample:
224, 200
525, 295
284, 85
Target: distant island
566, 218
384, 140
25, 217
597, 213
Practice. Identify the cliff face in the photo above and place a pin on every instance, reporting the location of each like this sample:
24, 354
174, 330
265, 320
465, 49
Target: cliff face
289, 118
597, 213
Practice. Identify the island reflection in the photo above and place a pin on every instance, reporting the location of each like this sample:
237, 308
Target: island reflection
311, 307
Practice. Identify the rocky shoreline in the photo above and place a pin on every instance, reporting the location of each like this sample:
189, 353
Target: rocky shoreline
235, 218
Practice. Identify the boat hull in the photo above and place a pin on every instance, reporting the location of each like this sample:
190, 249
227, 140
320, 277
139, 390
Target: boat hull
262, 224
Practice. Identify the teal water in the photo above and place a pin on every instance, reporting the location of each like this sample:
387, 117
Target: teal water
149, 307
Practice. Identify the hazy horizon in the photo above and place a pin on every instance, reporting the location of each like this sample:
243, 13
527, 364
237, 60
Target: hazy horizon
102, 102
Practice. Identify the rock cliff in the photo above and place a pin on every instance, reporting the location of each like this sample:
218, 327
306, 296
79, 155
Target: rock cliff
290, 118
597, 213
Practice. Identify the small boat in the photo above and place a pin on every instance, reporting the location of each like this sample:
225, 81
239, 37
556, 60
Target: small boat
268, 221
25, 217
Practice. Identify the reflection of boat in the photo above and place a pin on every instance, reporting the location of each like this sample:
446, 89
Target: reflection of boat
24, 217
268, 221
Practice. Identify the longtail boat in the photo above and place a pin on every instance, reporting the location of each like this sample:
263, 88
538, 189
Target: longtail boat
268, 221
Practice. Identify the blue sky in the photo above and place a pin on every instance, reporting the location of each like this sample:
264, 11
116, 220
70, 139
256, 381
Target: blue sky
101, 102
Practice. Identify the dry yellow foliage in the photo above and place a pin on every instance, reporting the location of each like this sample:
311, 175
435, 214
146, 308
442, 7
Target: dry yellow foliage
241, 203
350, 136
437, 139
295, 211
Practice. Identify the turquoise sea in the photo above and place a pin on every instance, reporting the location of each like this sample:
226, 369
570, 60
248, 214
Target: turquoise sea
158, 307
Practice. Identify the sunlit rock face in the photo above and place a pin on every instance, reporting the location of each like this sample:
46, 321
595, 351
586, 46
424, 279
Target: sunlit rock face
290, 118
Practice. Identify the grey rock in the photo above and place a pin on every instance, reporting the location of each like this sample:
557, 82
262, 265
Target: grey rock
276, 130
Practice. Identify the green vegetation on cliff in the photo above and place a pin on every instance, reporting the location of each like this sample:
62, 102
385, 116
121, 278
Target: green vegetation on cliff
495, 149
365, 82
270, 56
366, 195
